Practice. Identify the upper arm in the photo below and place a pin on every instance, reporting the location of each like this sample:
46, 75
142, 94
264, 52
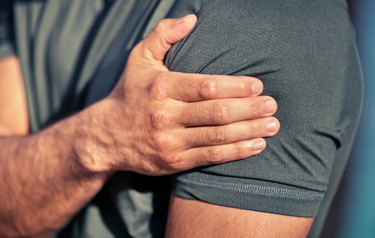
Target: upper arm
189, 219
304, 53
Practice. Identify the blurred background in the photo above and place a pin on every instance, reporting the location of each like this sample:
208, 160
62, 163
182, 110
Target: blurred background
353, 211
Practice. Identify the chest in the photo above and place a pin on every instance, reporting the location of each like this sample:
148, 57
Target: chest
73, 52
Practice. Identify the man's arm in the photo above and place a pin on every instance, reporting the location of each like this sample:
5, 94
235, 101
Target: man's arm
46, 177
191, 218
304, 66
42, 181
13, 113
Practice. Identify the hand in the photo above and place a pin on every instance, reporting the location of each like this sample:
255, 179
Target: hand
159, 122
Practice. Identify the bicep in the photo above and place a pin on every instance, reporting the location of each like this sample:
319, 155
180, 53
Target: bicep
190, 218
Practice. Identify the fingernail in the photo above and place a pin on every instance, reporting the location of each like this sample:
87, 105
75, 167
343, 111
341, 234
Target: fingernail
256, 87
258, 144
271, 126
269, 106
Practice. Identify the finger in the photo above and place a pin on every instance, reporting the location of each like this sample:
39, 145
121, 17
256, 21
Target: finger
224, 111
200, 156
197, 87
166, 33
239, 131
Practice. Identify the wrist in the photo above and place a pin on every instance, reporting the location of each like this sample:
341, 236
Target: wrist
90, 149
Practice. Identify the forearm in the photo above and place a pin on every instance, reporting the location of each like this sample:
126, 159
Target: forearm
13, 106
44, 180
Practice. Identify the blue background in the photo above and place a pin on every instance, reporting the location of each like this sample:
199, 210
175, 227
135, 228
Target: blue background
353, 212
359, 196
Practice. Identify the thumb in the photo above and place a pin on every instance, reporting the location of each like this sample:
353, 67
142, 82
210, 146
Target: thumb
166, 33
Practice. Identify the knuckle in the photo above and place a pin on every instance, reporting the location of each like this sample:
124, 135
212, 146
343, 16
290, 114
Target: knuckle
164, 143
220, 135
255, 105
161, 26
219, 113
208, 89
214, 155
243, 86
257, 126
172, 161
244, 83
158, 89
160, 119
167, 158
241, 151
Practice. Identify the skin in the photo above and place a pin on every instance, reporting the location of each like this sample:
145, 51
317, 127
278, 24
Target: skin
13, 113
190, 219
154, 122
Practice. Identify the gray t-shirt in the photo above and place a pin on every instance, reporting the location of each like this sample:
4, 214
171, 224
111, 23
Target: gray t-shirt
73, 52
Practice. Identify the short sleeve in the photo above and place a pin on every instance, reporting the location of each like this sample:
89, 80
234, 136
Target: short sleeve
6, 31
304, 53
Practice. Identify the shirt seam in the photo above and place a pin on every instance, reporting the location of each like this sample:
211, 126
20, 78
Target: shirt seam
256, 189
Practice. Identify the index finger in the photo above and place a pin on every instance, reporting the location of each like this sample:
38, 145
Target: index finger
197, 87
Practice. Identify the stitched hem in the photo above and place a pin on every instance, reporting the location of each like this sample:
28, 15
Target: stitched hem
294, 202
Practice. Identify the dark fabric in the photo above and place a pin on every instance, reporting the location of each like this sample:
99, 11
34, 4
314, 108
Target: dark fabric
73, 52
6, 29
304, 52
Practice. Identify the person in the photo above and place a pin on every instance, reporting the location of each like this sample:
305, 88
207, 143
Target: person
65, 165
73, 53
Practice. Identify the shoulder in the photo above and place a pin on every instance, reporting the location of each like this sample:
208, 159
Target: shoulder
273, 20
247, 32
